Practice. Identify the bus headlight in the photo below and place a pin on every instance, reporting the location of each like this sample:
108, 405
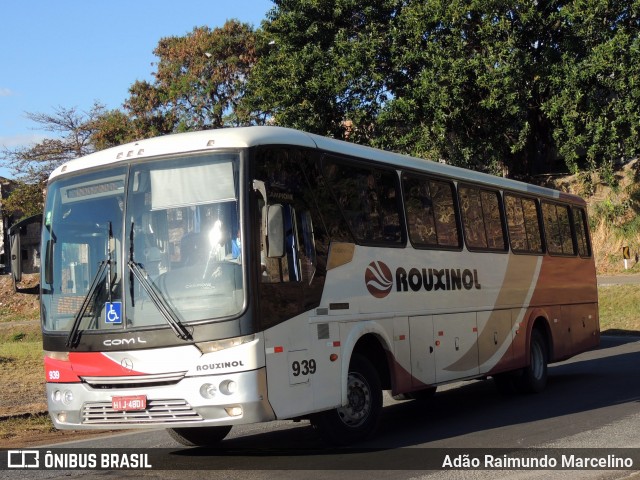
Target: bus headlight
217, 345
60, 396
228, 387
208, 390
67, 397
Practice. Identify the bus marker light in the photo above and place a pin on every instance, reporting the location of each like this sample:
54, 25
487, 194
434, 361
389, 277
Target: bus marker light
333, 357
437, 343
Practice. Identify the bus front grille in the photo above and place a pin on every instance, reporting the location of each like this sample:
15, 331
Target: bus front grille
157, 411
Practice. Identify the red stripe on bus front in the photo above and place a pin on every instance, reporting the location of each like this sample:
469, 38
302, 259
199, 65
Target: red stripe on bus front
98, 364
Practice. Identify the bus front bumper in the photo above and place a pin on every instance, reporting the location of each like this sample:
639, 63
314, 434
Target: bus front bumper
229, 399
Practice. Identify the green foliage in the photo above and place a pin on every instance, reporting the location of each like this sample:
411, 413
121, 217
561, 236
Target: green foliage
200, 82
25, 200
324, 65
610, 212
594, 101
464, 84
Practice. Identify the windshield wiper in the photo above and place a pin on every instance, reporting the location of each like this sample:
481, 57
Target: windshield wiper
156, 295
74, 337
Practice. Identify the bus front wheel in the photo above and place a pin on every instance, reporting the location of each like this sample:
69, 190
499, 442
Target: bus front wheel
357, 420
199, 436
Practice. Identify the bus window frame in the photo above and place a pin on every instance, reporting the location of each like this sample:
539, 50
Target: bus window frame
502, 213
574, 240
536, 201
331, 157
456, 207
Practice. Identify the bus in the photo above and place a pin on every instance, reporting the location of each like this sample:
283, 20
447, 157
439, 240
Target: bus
203, 280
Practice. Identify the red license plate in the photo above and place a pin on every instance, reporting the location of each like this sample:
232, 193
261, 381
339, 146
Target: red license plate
129, 403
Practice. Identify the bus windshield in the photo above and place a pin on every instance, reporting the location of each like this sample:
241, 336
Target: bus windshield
151, 244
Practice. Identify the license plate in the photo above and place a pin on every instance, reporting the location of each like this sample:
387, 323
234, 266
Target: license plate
129, 403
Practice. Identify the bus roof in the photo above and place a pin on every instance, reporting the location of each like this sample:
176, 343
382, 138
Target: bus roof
244, 137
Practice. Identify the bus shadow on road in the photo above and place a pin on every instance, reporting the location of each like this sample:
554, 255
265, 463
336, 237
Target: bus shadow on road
459, 415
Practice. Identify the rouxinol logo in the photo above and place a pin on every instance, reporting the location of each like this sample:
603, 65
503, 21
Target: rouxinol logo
379, 279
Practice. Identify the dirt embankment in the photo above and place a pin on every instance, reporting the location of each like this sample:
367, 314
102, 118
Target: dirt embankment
18, 306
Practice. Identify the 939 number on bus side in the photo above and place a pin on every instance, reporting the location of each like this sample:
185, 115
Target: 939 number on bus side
305, 367
301, 367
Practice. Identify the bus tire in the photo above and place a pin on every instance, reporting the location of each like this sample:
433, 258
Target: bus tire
199, 436
534, 376
359, 419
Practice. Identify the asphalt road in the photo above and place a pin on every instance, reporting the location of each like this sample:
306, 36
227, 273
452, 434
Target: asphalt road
592, 401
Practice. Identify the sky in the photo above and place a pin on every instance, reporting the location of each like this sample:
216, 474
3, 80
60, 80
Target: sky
72, 53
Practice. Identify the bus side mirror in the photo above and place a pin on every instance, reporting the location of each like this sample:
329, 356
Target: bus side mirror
275, 231
29, 228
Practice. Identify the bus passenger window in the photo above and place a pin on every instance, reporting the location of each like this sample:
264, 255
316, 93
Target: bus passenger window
480, 211
558, 229
524, 224
368, 198
431, 212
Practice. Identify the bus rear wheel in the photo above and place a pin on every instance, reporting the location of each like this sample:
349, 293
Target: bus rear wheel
534, 377
199, 436
357, 420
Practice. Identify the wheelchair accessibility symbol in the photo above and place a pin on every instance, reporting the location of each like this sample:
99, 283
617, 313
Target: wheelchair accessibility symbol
113, 312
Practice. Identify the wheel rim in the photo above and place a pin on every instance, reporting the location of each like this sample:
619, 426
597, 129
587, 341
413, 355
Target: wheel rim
359, 397
537, 360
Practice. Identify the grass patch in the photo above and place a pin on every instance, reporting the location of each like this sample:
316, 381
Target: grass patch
8, 315
14, 430
619, 308
20, 333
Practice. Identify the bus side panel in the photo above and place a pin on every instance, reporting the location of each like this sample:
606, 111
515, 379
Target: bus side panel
287, 349
303, 357
567, 290
495, 340
423, 361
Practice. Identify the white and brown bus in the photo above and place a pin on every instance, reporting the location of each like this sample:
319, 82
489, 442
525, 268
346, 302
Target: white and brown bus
203, 280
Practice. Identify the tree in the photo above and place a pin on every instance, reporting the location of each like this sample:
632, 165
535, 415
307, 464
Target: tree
32, 165
468, 83
595, 102
199, 82
323, 65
